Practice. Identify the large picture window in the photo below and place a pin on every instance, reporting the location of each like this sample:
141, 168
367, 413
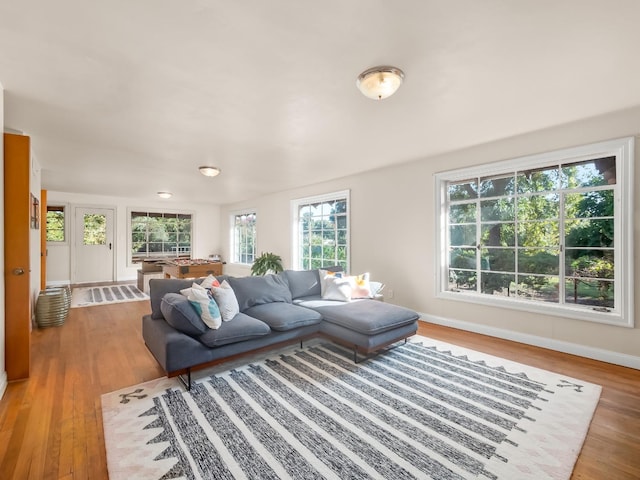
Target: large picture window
157, 235
548, 233
321, 236
243, 237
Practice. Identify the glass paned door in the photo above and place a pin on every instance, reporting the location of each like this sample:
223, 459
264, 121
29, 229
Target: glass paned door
92, 258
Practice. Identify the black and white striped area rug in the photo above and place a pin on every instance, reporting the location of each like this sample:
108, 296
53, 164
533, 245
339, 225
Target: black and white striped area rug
103, 294
426, 409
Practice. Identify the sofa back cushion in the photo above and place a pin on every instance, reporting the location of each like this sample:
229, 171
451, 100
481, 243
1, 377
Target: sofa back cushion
251, 291
303, 283
159, 287
180, 314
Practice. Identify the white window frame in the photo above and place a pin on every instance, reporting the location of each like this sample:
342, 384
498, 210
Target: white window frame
623, 150
232, 234
130, 261
295, 223
65, 206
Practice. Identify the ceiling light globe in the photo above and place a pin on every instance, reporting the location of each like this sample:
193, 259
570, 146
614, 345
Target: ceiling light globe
165, 194
209, 171
380, 82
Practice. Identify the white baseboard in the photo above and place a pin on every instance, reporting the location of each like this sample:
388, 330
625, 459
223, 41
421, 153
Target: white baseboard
3, 383
60, 283
558, 345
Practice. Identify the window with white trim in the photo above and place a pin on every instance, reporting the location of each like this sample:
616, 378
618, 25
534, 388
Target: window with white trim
321, 231
243, 237
155, 235
549, 233
56, 224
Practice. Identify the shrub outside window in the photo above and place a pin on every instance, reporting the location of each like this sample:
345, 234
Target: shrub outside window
548, 233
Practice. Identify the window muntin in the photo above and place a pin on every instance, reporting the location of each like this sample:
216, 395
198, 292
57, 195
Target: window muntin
157, 235
542, 230
244, 237
321, 234
56, 231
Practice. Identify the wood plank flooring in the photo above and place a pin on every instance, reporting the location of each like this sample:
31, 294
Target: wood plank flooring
51, 424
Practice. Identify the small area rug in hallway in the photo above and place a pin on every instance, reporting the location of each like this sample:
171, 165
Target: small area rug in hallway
103, 294
425, 409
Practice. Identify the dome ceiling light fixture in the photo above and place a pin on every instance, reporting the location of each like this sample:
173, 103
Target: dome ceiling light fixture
209, 171
380, 82
165, 194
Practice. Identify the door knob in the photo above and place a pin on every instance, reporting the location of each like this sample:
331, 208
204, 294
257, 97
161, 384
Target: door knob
18, 271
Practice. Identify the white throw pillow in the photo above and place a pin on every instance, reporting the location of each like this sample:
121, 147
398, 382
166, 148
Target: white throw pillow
226, 299
337, 288
324, 276
206, 308
194, 286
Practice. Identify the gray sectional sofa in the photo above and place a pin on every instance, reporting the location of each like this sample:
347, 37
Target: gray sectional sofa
274, 309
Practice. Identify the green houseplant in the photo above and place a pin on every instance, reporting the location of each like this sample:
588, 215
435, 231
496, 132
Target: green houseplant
267, 263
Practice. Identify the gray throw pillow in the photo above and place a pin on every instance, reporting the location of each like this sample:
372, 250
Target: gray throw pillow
180, 314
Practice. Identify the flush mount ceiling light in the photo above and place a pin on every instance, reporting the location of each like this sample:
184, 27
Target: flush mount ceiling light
209, 171
165, 194
380, 82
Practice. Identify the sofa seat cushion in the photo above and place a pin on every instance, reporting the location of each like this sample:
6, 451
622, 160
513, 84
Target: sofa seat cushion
252, 291
314, 301
241, 327
369, 317
284, 316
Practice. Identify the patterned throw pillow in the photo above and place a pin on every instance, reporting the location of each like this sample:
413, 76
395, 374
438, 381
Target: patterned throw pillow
206, 285
360, 286
209, 282
206, 307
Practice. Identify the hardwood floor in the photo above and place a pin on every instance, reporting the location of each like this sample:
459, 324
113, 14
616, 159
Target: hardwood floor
51, 424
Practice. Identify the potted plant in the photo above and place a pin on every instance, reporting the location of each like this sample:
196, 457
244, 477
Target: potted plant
267, 263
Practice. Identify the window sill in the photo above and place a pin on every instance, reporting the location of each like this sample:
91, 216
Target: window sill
615, 318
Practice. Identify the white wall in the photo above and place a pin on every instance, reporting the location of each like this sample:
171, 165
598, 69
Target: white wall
34, 241
206, 237
3, 370
392, 236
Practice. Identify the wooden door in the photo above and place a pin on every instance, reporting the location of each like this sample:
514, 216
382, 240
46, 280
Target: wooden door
17, 225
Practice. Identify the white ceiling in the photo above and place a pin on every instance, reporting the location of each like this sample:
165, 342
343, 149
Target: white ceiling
129, 97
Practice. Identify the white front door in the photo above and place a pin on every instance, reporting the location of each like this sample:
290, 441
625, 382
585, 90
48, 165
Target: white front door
93, 246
